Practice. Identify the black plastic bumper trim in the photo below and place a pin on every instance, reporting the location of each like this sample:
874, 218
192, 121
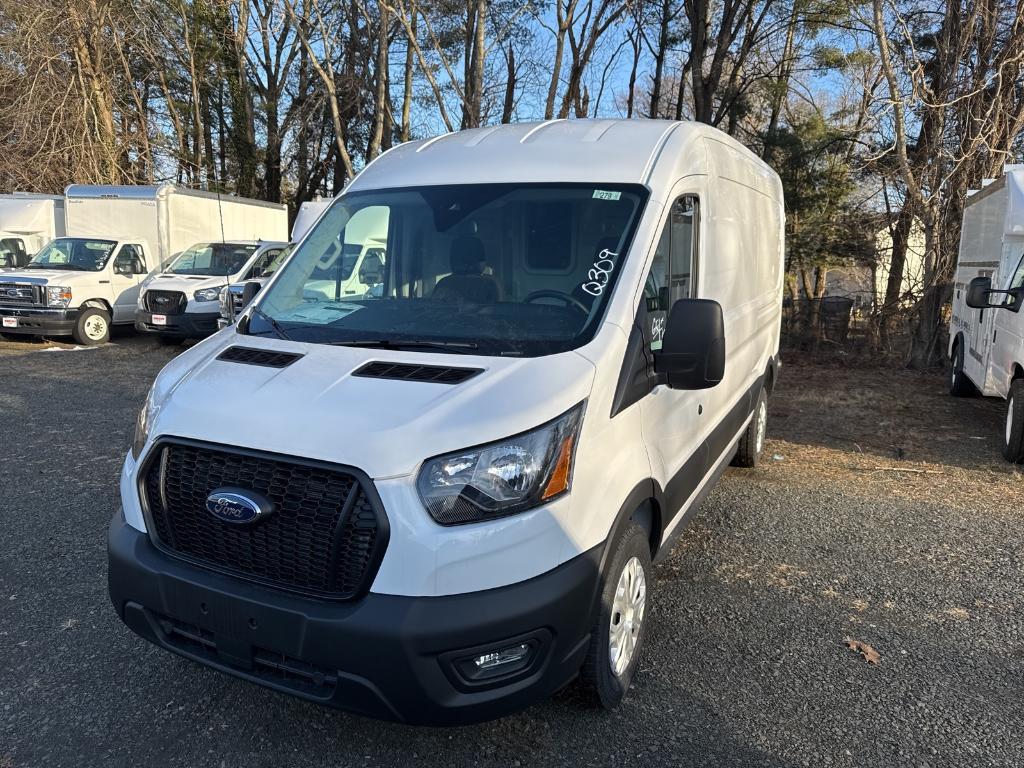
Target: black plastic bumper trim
384, 655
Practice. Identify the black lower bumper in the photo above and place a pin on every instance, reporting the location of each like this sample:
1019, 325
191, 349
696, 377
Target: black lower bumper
384, 656
39, 322
185, 325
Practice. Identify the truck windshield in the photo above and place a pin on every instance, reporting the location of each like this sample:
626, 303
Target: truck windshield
212, 259
77, 253
499, 269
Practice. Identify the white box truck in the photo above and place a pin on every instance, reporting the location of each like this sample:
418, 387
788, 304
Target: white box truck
28, 222
986, 333
81, 284
439, 501
309, 212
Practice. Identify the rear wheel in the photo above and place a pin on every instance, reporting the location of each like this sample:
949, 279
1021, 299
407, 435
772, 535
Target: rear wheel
959, 384
748, 452
622, 616
92, 327
1013, 429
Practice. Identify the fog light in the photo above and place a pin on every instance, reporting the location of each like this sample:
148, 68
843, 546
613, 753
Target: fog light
499, 663
503, 657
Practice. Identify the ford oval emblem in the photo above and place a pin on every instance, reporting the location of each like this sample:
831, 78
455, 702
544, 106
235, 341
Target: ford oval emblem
234, 505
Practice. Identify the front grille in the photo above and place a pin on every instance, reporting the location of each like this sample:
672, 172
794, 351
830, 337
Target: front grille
437, 374
165, 302
325, 536
19, 293
268, 665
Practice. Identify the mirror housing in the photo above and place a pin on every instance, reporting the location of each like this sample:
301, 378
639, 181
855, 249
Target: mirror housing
249, 291
980, 293
692, 354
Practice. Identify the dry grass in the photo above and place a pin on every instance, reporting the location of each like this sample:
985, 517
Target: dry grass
887, 432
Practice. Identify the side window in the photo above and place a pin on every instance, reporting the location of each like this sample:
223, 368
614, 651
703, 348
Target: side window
129, 261
12, 252
1017, 281
259, 269
673, 273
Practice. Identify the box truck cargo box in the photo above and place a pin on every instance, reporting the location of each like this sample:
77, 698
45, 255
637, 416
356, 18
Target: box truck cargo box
27, 222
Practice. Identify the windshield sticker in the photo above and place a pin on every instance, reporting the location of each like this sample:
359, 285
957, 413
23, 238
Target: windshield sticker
597, 277
605, 194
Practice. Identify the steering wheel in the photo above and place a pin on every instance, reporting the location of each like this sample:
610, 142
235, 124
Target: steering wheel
565, 298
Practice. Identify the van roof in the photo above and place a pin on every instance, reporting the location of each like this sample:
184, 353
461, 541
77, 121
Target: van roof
569, 151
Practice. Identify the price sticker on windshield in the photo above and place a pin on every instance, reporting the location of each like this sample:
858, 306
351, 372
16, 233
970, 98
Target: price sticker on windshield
606, 194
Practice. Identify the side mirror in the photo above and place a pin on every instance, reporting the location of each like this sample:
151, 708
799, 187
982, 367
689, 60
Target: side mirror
692, 354
980, 293
248, 292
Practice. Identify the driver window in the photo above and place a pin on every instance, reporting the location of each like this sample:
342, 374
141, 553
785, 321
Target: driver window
259, 269
129, 261
673, 272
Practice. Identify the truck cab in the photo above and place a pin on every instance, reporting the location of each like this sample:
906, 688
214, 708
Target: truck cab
75, 286
182, 300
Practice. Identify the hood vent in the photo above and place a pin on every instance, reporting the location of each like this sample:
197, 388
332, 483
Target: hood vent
268, 358
437, 374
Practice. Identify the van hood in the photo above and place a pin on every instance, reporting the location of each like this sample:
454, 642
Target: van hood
165, 281
315, 408
63, 277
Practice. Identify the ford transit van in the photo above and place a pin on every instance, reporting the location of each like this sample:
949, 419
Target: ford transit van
449, 504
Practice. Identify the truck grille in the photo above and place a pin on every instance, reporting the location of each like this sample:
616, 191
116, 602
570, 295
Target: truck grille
165, 302
325, 536
19, 293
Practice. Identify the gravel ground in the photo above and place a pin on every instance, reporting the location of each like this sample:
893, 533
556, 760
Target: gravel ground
883, 514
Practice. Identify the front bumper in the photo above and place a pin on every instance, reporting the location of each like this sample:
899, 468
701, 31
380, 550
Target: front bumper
40, 322
186, 325
382, 656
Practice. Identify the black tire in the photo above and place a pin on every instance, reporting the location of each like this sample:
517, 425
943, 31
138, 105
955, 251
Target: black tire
748, 452
602, 684
1013, 429
92, 327
959, 384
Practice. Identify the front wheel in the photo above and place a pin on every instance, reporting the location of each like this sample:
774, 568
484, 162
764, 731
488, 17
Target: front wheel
92, 327
959, 384
622, 616
1013, 430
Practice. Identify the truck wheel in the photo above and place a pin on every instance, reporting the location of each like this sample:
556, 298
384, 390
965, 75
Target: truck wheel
92, 327
1013, 432
622, 616
959, 384
748, 452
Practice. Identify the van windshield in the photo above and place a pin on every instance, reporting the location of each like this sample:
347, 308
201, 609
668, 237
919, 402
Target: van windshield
212, 259
499, 269
78, 253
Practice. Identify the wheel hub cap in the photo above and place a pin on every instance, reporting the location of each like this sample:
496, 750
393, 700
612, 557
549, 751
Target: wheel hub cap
762, 424
95, 327
627, 615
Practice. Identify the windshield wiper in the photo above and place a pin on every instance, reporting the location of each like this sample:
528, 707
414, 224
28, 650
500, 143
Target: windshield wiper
462, 347
273, 324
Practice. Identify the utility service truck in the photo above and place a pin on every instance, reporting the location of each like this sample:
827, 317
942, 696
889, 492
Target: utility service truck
439, 500
27, 222
81, 284
986, 334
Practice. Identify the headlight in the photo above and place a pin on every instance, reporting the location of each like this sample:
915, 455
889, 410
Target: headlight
57, 296
207, 294
142, 425
502, 478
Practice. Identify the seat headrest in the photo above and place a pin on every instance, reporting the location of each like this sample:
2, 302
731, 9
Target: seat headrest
467, 256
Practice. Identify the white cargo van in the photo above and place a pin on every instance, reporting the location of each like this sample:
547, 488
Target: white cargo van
27, 222
986, 334
81, 284
449, 503
181, 300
